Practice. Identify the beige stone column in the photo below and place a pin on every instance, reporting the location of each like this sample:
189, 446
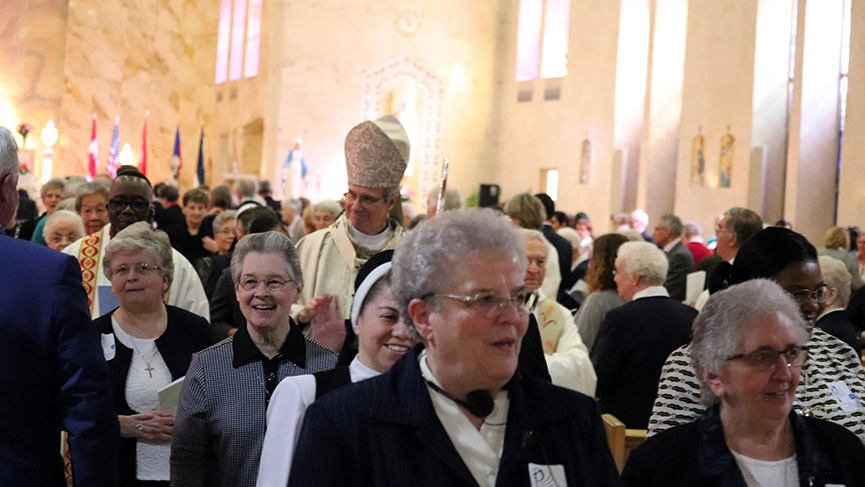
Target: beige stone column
716, 97
656, 189
851, 197
813, 143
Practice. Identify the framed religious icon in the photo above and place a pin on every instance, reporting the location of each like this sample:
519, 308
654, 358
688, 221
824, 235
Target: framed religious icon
728, 145
585, 161
698, 160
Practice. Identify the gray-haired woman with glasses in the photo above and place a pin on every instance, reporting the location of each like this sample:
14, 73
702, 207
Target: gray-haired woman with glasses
147, 345
221, 417
790, 260
749, 354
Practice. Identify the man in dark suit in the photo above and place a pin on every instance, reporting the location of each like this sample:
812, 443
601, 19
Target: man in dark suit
456, 411
54, 373
266, 192
635, 339
564, 249
668, 236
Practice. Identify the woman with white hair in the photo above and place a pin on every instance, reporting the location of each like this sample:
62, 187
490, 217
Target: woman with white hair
834, 319
62, 228
749, 354
566, 355
324, 213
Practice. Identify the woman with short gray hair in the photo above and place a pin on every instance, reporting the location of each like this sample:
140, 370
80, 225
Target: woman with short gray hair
147, 345
62, 229
834, 319
749, 353
324, 213
221, 418
51, 195
460, 279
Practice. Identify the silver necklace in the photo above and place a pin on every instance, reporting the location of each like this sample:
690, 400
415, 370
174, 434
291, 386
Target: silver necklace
149, 367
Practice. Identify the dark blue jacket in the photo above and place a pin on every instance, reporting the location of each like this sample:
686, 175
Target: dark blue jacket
696, 455
385, 431
53, 373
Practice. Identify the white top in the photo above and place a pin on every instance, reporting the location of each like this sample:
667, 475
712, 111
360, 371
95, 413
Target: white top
651, 292
372, 242
758, 473
285, 415
480, 450
152, 460
669, 246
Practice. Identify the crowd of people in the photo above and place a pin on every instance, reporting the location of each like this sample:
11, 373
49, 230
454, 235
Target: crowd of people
219, 337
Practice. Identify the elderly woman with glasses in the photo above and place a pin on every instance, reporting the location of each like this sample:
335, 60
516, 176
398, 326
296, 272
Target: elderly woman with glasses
833, 383
221, 417
456, 411
147, 345
749, 354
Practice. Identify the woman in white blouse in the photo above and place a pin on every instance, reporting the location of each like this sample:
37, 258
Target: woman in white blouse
147, 345
382, 339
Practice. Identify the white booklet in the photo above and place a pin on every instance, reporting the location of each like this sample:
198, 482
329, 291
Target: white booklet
696, 282
169, 396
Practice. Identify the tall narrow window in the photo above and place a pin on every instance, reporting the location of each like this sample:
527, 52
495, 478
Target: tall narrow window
253, 39
845, 63
222, 41
238, 21
550, 179
554, 60
529, 39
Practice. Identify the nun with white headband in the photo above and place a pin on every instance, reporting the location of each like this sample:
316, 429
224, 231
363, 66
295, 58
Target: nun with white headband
382, 339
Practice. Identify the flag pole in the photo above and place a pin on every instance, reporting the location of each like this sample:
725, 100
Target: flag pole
443, 184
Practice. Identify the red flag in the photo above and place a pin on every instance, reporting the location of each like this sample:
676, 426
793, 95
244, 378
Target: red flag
93, 153
143, 166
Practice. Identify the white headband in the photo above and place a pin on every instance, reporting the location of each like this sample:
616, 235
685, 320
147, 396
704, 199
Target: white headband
363, 290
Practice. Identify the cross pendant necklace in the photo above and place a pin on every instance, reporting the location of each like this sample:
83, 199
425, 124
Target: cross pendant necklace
149, 367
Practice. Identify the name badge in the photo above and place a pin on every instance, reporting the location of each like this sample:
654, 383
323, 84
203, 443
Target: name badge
108, 347
547, 475
845, 398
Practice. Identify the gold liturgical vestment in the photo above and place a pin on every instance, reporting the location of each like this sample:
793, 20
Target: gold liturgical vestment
330, 261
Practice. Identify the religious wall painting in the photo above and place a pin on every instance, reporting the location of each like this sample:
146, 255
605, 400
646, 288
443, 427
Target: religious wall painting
415, 96
698, 160
728, 145
585, 161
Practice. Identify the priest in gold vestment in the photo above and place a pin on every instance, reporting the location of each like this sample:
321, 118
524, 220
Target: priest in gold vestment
376, 154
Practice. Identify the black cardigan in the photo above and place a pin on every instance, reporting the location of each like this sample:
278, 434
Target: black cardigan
696, 455
185, 334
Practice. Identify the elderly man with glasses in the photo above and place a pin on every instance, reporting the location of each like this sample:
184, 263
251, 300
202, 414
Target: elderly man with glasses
376, 155
129, 201
456, 410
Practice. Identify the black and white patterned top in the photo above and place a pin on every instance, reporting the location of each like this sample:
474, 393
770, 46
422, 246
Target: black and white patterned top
829, 360
220, 421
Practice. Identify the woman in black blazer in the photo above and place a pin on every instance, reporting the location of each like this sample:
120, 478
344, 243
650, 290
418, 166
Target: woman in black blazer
147, 346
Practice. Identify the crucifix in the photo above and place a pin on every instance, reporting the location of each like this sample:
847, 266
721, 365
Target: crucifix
149, 370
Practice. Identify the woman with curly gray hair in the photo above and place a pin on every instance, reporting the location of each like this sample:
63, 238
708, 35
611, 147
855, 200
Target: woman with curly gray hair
749, 354
147, 345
